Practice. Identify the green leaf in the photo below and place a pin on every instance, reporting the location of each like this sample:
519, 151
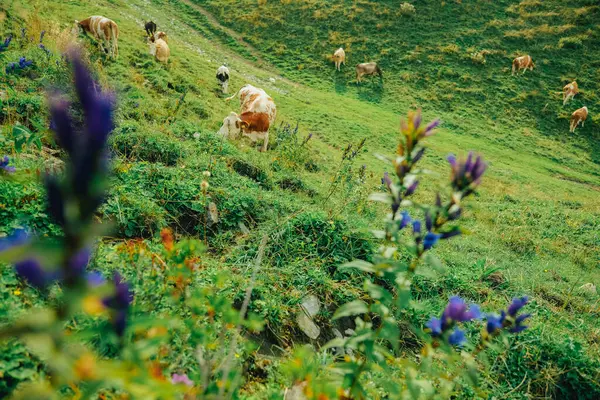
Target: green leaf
353, 308
381, 197
434, 262
337, 342
359, 264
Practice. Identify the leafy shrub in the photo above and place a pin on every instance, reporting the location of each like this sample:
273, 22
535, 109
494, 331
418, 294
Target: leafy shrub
407, 9
313, 236
134, 215
151, 147
16, 365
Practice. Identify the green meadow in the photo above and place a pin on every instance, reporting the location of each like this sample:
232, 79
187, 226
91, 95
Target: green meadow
534, 224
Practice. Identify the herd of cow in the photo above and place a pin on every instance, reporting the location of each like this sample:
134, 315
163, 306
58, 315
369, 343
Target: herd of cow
258, 109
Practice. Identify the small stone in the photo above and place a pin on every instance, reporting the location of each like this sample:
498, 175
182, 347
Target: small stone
213, 214
243, 228
589, 288
308, 309
296, 392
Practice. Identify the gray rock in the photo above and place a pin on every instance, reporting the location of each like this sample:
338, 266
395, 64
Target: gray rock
296, 392
589, 288
308, 309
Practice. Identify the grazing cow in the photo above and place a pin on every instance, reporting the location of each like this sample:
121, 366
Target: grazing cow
160, 50
104, 30
223, 77
339, 57
577, 117
367, 69
150, 28
258, 112
160, 35
569, 91
522, 63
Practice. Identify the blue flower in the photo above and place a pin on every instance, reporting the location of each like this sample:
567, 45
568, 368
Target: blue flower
417, 227
78, 263
119, 303
494, 323
516, 305
457, 337
457, 310
95, 278
32, 271
6, 43
404, 221
430, 240
5, 167
519, 327
42, 36
17, 238
23, 63
435, 325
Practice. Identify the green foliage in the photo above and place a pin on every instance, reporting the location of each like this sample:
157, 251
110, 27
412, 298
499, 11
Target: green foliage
319, 240
146, 146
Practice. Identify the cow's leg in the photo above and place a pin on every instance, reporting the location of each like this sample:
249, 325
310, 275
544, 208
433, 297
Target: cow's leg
265, 142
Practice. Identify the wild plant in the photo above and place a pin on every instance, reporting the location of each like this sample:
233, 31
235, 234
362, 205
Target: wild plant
373, 358
345, 167
117, 320
292, 150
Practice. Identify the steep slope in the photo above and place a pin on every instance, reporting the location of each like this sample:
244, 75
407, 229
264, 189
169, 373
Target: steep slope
536, 222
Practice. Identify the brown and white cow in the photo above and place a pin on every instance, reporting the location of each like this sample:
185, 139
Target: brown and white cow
569, 91
160, 50
257, 114
578, 116
102, 29
339, 57
366, 69
522, 63
160, 35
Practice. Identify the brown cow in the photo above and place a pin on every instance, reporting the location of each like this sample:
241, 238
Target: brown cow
258, 113
577, 117
339, 57
569, 91
102, 29
160, 50
161, 35
522, 63
367, 69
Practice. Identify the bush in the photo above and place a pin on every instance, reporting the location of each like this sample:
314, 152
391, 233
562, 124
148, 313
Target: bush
135, 215
251, 171
151, 147
407, 9
312, 236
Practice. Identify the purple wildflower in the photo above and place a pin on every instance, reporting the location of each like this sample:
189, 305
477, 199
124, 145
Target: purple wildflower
32, 271
411, 189
430, 127
77, 264
386, 180
516, 305
23, 63
95, 278
4, 46
457, 310
519, 327
5, 167
183, 378
119, 303
466, 174
42, 36
435, 325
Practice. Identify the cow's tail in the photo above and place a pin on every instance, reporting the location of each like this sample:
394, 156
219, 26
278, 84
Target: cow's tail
234, 96
114, 33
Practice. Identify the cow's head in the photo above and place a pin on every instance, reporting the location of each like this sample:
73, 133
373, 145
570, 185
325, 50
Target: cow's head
77, 29
232, 126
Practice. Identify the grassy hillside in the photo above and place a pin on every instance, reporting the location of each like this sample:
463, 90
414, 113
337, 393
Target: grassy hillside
535, 223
